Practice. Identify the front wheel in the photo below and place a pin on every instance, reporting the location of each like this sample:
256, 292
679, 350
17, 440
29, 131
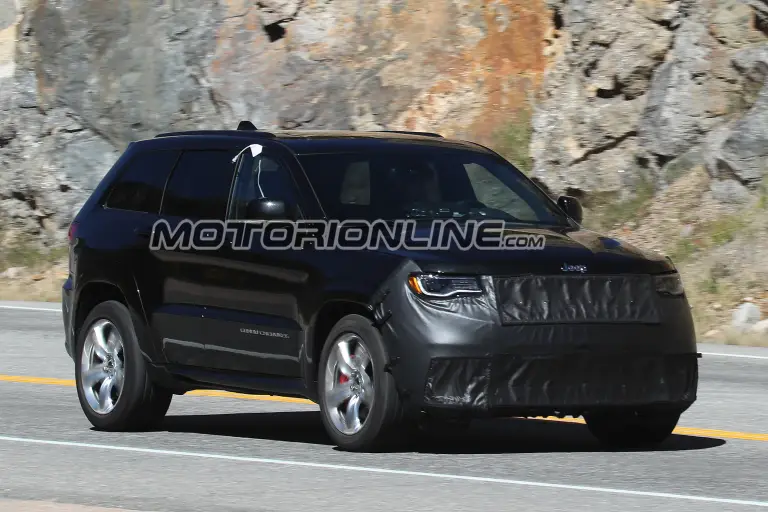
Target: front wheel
114, 388
358, 399
632, 428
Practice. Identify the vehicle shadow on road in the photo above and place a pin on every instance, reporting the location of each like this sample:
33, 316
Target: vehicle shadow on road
484, 437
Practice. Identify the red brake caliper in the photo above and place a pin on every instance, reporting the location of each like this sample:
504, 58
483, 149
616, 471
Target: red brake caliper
343, 378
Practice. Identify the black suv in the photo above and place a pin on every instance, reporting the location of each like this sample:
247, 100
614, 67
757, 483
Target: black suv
379, 338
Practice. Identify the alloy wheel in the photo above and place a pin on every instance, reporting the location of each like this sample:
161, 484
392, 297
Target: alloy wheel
102, 367
349, 384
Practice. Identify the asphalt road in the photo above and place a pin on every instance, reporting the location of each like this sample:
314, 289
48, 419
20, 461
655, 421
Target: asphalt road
231, 454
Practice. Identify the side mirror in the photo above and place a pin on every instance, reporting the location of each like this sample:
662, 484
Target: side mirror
572, 207
266, 209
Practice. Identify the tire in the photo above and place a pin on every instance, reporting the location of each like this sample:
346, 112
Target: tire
135, 403
373, 390
630, 428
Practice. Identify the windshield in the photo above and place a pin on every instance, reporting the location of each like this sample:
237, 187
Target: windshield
426, 183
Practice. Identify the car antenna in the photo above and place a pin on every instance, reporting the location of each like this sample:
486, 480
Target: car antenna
246, 125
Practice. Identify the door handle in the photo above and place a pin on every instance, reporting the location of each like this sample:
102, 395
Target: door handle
143, 232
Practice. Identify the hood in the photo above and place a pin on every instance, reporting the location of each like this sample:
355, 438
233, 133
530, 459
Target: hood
565, 249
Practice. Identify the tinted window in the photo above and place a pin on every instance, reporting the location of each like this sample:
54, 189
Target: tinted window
199, 186
261, 177
426, 183
140, 186
492, 192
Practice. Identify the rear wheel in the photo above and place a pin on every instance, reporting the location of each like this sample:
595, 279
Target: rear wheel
632, 428
358, 399
113, 385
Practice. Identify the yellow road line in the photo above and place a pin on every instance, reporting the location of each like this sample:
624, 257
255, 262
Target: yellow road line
200, 392
36, 380
707, 432
689, 431
241, 396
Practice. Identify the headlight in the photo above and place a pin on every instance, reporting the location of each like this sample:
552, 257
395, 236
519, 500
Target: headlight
669, 284
443, 287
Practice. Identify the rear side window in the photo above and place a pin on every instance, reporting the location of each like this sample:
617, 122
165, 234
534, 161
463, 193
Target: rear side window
139, 187
199, 186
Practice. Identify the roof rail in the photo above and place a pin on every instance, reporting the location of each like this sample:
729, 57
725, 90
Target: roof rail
425, 134
221, 133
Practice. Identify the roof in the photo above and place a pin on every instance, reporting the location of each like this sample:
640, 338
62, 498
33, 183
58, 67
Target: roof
322, 141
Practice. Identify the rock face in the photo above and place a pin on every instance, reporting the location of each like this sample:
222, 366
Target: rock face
624, 89
746, 316
79, 79
641, 90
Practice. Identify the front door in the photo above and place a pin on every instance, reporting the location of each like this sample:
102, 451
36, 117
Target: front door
255, 321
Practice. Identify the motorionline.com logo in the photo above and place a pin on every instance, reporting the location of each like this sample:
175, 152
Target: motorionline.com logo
441, 234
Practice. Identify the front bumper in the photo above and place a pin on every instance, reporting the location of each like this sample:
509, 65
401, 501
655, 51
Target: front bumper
461, 356
561, 384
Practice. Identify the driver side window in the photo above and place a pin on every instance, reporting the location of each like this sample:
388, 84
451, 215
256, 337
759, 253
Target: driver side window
260, 177
494, 194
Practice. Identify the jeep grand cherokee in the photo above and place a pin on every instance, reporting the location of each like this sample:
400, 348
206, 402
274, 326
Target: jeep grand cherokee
586, 326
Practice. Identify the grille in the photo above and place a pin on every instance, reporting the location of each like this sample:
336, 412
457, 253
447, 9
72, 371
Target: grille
576, 299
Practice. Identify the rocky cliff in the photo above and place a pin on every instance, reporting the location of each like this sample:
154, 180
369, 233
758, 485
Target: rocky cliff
79, 79
625, 92
643, 91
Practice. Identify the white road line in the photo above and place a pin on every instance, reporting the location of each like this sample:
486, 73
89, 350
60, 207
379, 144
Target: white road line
383, 471
28, 308
744, 356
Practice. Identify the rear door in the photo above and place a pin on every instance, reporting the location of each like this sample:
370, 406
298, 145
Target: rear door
198, 189
130, 210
